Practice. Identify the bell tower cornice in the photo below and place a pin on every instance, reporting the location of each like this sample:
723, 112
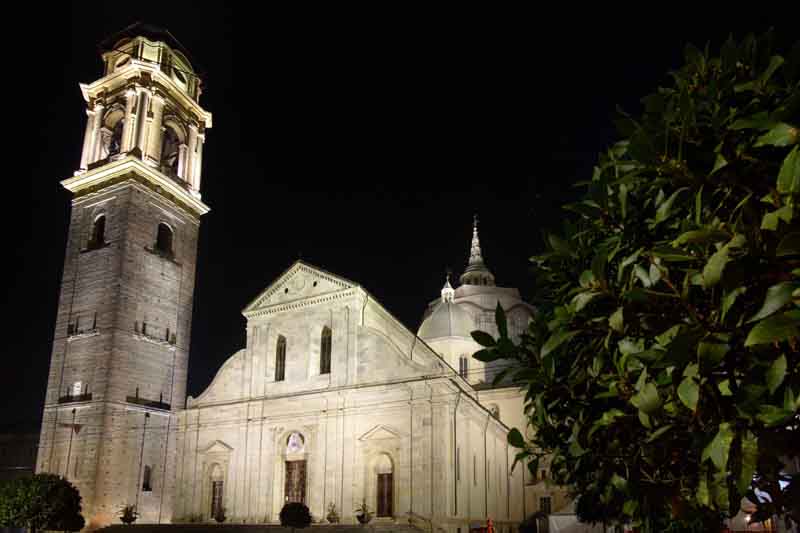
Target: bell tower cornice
133, 168
141, 75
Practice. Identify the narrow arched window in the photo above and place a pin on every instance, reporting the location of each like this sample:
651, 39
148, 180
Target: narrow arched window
463, 366
146, 478
164, 239
280, 359
325, 351
98, 237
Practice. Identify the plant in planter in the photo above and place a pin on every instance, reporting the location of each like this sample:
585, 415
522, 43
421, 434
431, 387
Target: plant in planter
128, 514
332, 516
219, 516
295, 514
363, 514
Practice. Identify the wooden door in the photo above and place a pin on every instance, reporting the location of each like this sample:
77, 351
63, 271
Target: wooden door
385, 495
216, 498
295, 489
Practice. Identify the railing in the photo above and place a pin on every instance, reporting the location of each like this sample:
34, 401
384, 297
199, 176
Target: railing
148, 403
69, 398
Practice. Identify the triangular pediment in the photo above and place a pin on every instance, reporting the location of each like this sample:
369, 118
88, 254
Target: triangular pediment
217, 447
300, 281
380, 432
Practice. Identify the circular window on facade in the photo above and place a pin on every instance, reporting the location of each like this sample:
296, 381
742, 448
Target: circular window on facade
295, 443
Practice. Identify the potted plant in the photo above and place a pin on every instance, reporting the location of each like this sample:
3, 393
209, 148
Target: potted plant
362, 513
295, 515
128, 514
332, 516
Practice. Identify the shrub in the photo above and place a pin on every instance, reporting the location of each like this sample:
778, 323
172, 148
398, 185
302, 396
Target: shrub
295, 514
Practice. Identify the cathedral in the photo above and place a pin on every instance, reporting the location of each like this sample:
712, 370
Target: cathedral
332, 402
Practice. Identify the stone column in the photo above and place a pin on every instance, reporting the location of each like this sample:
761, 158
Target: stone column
156, 130
141, 119
87, 138
130, 117
188, 175
94, 148
197, 162
182, 154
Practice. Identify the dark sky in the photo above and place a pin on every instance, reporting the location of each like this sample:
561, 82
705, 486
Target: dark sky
364, 141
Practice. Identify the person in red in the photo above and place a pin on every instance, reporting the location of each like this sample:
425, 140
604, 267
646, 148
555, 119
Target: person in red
489, 526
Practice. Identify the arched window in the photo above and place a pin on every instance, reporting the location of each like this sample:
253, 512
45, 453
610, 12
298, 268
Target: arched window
170, 151
280, 359
295, 443
164, 239
115, 143
98, 238
146, 475
325, 351
463, 366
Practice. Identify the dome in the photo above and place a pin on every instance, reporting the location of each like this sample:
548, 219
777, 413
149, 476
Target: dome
446, 320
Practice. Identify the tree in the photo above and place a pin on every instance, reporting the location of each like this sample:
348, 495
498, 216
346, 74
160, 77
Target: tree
663, 370
41, 501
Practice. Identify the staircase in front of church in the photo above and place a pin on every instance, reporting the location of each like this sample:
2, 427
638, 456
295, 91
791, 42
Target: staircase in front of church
385, 527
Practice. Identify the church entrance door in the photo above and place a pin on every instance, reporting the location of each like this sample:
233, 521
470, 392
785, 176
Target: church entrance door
385, 494
295, 490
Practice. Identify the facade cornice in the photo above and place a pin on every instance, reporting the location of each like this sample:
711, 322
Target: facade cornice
300, 303
131, 167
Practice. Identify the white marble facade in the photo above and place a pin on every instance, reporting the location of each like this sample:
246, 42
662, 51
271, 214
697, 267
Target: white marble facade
390, 411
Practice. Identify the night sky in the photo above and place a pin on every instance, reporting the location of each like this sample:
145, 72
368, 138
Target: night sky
361, 141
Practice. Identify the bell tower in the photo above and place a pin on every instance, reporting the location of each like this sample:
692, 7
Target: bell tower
120, 353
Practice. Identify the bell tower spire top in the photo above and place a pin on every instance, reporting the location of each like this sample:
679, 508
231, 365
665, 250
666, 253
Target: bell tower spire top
476, 273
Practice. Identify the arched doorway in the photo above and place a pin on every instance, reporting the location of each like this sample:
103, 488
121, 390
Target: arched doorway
385, 486
295, 477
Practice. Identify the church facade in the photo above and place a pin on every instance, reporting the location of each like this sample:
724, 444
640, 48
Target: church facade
331, 402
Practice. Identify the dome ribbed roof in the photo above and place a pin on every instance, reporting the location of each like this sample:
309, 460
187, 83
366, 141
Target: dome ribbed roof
446, 320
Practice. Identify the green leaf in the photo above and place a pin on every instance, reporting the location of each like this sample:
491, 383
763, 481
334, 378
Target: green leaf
712, 272
710, 353
500, 320
719, 448
772, 415
721, 162
657, 433
559, 245
724, 388
776, 374
689, 393
781, 134
773, 329
703, 494
643, 275
730, 298
630, 507
662, 213
582, 299
556, 339
483, 338
789, 175
771, 220
617, 320
749, 453
789, 245
759, 121
619, 482
599, 265
777, 296
647, 400
672, 255
515, 438
487, 356
703, 236
587, 279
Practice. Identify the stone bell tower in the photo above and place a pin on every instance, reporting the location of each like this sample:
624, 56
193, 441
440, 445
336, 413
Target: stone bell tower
120, 352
